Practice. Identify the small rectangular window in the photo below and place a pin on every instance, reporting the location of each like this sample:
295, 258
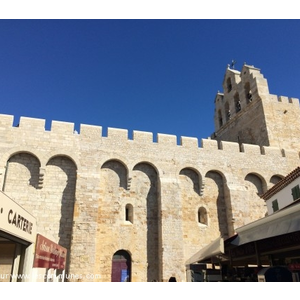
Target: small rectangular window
127, 214
296, 192
275, 205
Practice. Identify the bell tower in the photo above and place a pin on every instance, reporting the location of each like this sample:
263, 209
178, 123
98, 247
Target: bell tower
247, 113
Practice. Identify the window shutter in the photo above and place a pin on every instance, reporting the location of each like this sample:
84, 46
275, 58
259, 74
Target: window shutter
275, 205
296, 192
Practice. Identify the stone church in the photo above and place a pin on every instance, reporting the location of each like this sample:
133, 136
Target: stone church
137, 210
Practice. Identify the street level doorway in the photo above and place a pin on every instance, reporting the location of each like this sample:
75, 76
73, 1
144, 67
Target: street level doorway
121, 267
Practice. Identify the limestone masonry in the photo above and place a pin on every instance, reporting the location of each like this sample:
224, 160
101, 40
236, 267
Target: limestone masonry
159, 202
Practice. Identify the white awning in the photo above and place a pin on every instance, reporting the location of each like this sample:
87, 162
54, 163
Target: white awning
213, 249
281, 222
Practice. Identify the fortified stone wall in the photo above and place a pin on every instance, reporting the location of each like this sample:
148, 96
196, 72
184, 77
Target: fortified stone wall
159, 201
283, 122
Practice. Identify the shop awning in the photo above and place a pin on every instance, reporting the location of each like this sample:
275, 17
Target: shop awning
213, 249
284, 221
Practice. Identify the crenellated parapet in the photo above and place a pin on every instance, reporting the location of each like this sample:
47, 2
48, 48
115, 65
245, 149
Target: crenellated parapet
93, 134
283, 100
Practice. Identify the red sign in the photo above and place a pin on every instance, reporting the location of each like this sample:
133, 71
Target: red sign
294, 267
49, 254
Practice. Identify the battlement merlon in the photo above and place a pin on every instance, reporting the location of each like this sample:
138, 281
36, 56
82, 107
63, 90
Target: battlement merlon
209, 144
254, 150
117, 133
62, 127
32, 124
90, 131
166, 139
189, 142
6, 121
230, 146
143, 136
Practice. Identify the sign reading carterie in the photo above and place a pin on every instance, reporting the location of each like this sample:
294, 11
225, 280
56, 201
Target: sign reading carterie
15, 220
49, 254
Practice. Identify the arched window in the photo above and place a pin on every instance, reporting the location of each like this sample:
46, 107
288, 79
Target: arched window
202, 216
248, 93
220, 118
129, 213
229, 85
237, 102
227, 111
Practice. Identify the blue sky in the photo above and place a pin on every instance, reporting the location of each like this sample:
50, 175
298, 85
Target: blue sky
156, 75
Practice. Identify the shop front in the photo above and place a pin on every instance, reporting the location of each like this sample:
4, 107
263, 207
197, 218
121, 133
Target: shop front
17, 240
269, 244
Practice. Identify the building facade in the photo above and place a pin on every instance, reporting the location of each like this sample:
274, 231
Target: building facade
135, 209
284, 193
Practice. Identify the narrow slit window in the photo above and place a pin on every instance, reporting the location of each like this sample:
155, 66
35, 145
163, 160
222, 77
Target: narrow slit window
129, 213
202, 216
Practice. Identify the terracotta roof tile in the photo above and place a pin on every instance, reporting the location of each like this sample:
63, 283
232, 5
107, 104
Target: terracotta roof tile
281, 184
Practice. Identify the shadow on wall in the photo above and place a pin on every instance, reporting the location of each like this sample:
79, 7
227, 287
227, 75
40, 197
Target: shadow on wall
62, 171
148, 180
52, 195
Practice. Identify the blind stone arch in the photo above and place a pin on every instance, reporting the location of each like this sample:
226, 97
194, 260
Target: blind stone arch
114, 173
275, 179
147, 211
190, 180
59, 187
22, 174
256, 182
215, 195
255, 186
190, 183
